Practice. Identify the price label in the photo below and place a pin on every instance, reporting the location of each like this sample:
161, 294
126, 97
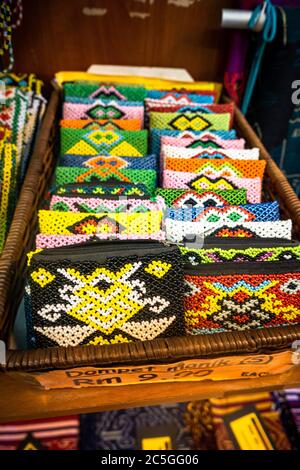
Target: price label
193, 370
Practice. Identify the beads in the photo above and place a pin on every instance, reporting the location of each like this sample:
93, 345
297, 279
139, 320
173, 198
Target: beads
215, 303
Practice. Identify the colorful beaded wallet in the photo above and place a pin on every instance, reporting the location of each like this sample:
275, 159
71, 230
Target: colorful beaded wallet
104, 91
227, 250
65, 175
103, 142
55, 241
218, 168
149, 162
153, 106
105, 294
103, 124
189, 198
106, 225
190, 121
203, 141
178, 231
181, 98
97, 109
181, 179
171, 151
96, 204
241, 296
264, 212
157, 134
112, 187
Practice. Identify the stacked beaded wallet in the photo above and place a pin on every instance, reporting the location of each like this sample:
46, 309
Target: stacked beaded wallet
153, 106
190, 121
156, 136
104, 91
172, 151
97, 109
182, 98
241, 296
203, 141
190, 198
103, 124
178, 231
149, 162
218, 168
104, 294
228, 250
106, 224
264, 212
96, 173
103, 142
196, 182
96, 204
111, 187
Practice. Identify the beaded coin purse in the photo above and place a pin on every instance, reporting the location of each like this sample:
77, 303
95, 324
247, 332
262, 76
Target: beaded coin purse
104, 294
157, 134
218, 168
188, 121
103, 142
111, 187
104, 91
97, 204
153, 106
181, 98
241, 296
263, 212
103, 124
65, 175
178, 231
149, 162
172, 151
189, 198
181, 179
97, 109
121, 225
203, 141
227, 250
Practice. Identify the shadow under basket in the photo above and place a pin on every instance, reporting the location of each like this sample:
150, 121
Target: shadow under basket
20, 241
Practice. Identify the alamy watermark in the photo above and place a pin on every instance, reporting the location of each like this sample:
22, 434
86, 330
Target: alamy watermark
2, 353
296, 352
2, 92
190, 237
296, 93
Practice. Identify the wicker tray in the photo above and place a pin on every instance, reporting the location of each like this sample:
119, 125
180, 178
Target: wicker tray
21, 238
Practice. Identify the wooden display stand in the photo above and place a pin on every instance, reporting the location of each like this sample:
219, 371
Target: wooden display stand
191, 38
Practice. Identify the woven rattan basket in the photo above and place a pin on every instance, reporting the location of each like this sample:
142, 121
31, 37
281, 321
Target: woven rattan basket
21, 238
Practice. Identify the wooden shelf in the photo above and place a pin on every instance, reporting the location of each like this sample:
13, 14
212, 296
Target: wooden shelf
21, 399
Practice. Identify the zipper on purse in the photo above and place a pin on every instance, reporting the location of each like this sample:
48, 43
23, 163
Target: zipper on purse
243, 243
113, 197
224, 269
101, 250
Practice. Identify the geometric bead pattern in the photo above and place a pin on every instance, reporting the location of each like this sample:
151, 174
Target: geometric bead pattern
181, 179
116, 300
242, 302
189, 121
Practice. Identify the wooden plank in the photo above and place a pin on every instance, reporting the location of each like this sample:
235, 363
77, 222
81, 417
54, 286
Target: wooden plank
20, 399
72, 35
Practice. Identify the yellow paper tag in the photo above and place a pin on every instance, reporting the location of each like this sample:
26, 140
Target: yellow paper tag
193, 370
157, 443
250, 434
